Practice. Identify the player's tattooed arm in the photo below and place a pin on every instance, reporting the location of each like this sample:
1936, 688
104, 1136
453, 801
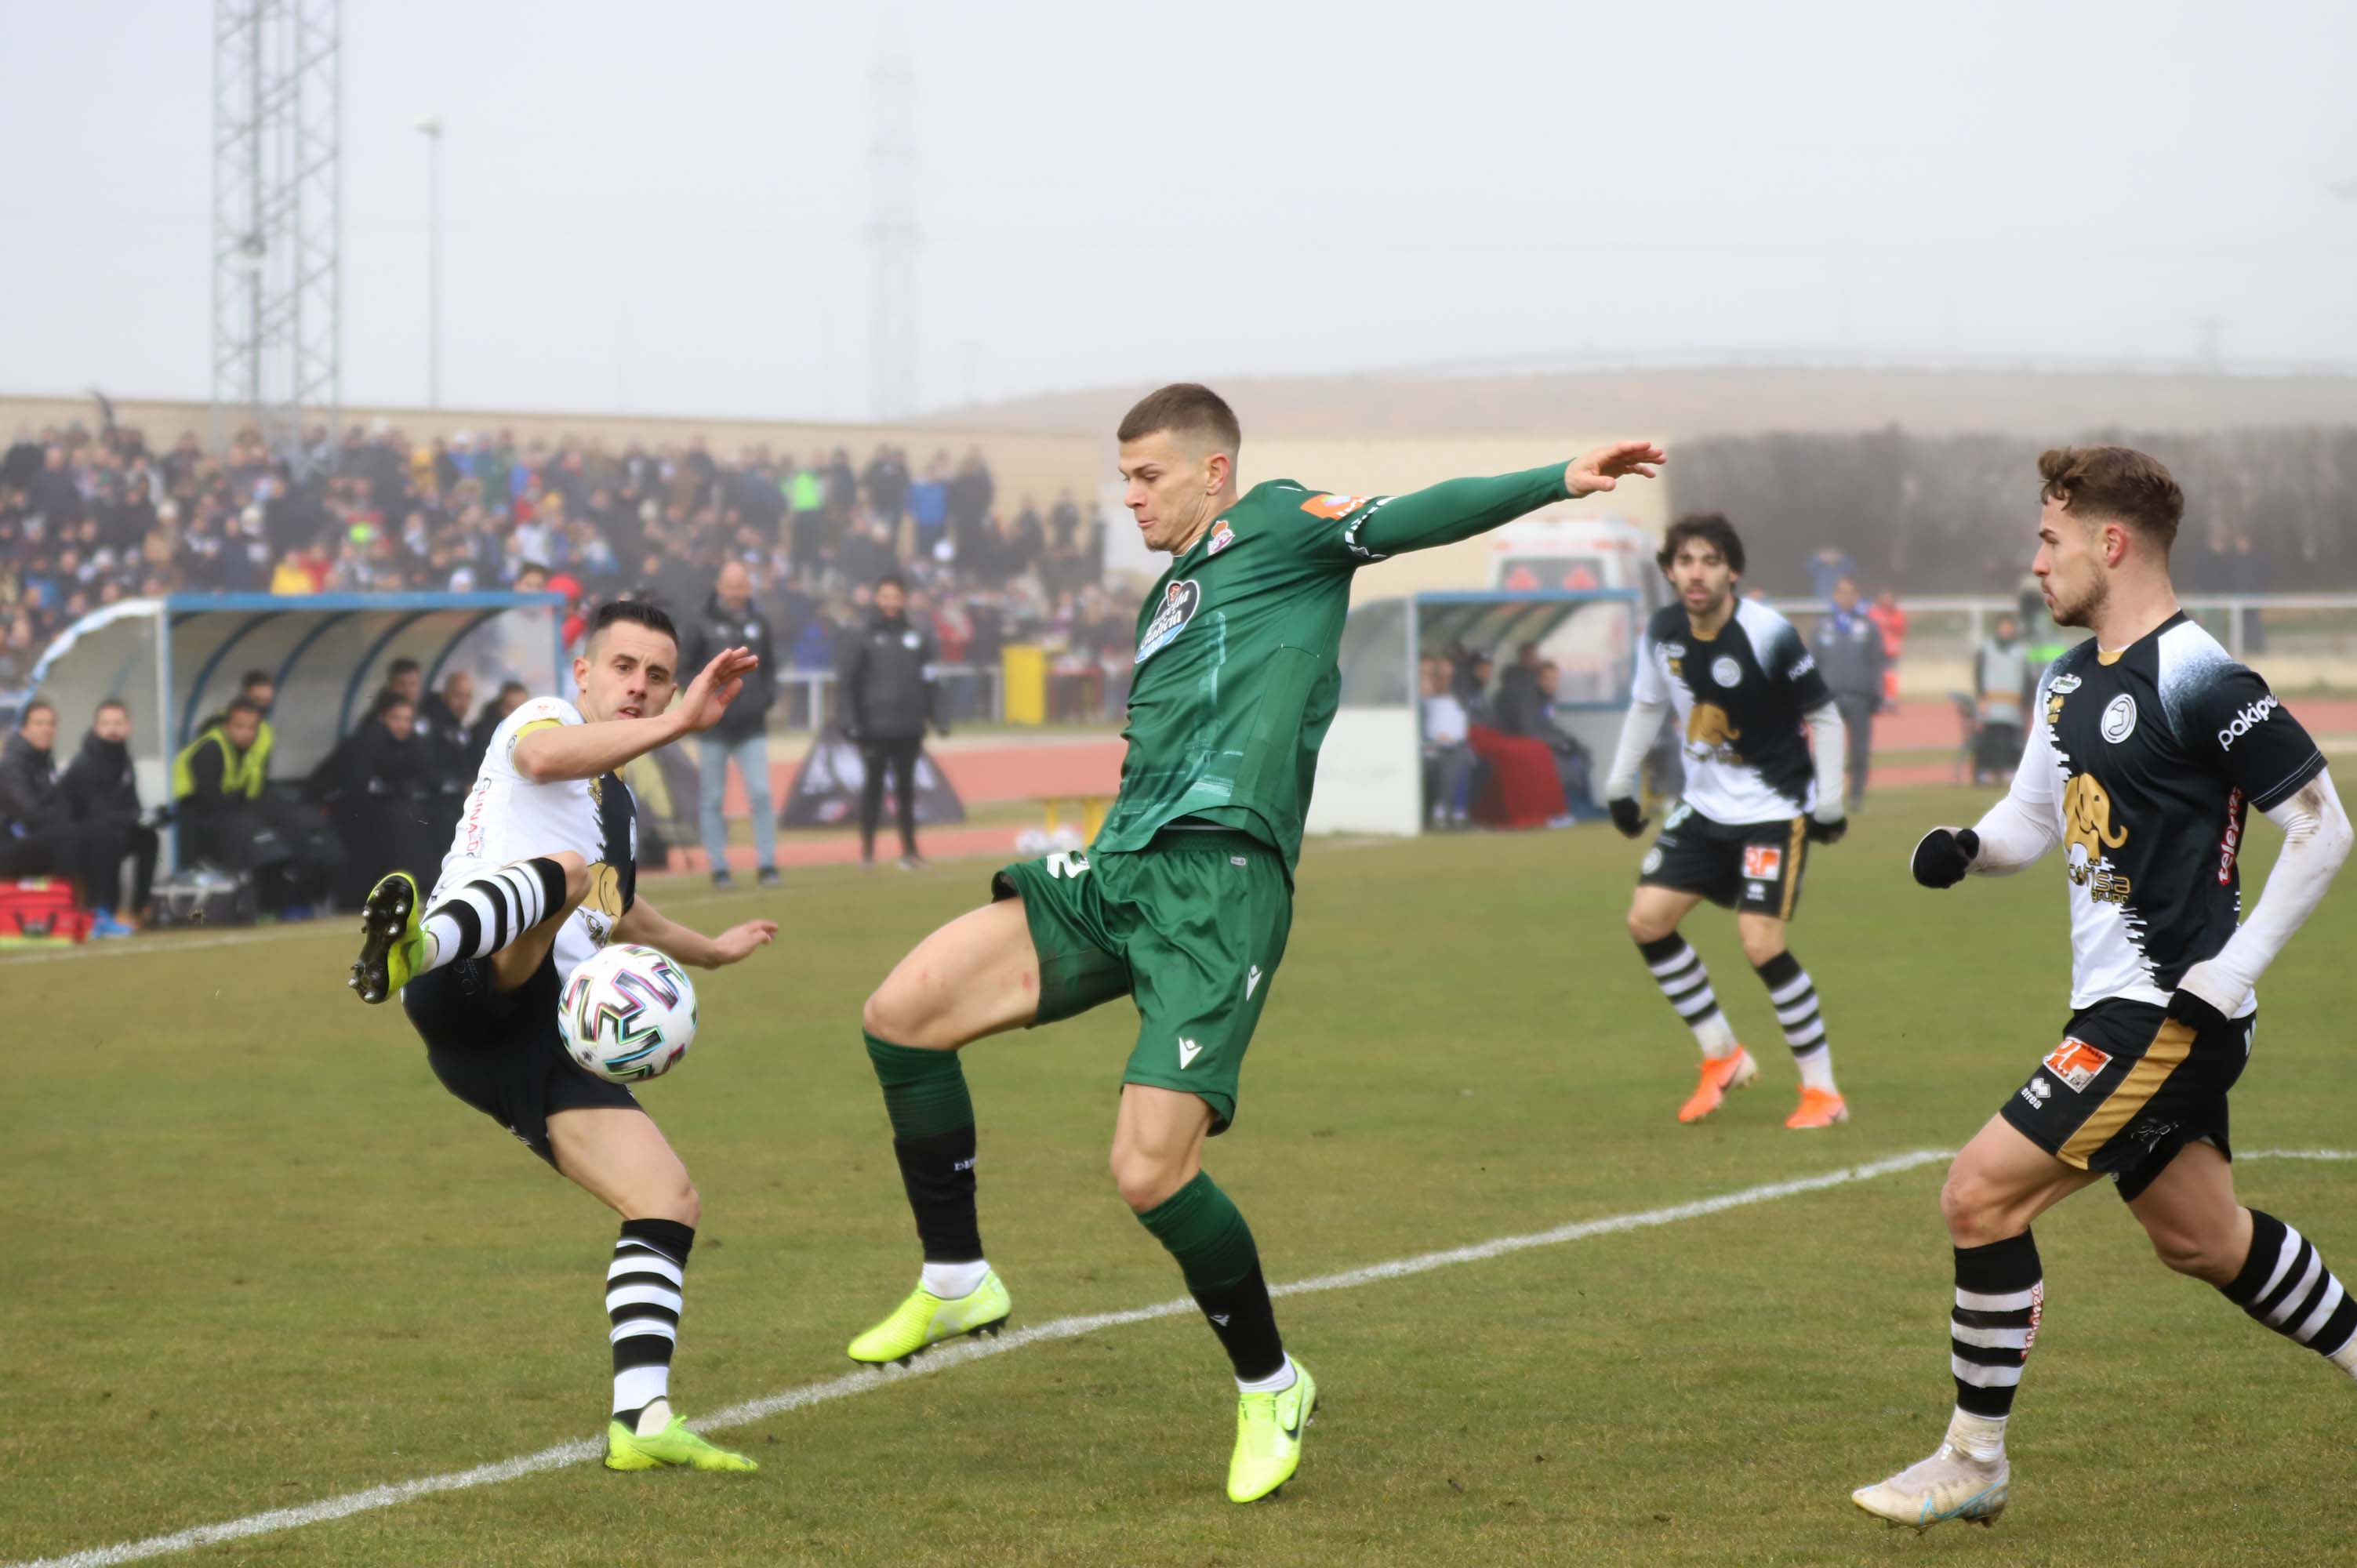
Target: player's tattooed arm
589, 750
645, 924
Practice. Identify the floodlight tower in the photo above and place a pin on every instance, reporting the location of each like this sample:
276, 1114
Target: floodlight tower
277, 215
893, 226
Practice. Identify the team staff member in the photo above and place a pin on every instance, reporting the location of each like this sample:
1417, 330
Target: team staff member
1756, 797
1848, 650
38, 836
2148, 747
731, 619
889, 700
102, 788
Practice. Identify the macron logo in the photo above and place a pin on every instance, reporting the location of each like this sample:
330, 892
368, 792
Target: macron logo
2249, 719
1250, 981
1188, 1051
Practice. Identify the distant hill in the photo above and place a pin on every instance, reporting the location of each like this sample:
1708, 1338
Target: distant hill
1689, 403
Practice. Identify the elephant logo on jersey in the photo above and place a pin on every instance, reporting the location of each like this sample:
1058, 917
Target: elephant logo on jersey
1180, 602
2087, 831
601, 906
1710, 734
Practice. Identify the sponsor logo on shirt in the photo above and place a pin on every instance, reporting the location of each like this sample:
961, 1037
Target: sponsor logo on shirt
2230, 842
2074, 1064
1807, 662
2249, 719
1180, 602
1221, 537
1763, 862
1334, 509
2063, 685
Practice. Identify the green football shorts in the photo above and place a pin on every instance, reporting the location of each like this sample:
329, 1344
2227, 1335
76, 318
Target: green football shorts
1192, 927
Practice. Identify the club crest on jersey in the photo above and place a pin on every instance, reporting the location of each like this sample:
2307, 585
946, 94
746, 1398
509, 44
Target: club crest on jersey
2120, 718
1221, 537
1763, 862
1726, 671
1180, 602
2075, 1063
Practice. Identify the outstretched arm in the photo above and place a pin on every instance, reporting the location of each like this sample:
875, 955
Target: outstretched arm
547, 753
1459, 508
644, 923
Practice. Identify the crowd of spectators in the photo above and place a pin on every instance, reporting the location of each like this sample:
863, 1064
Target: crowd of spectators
90, 516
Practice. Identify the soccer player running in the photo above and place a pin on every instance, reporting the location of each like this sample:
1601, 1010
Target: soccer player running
542, 872
1185, 900
2148, 747
1743, 688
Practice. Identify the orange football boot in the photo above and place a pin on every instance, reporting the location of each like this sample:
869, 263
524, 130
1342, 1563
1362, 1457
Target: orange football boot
1818, 1108
1720, 1074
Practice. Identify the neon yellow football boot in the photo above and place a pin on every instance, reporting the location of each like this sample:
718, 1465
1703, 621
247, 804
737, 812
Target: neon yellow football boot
674, 1445
393, 944
925, 1320
1268, 1438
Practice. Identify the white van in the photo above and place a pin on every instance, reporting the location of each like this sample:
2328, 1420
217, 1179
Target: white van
1549, 551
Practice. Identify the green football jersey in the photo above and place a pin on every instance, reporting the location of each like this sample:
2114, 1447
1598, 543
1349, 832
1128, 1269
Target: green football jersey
1236, 677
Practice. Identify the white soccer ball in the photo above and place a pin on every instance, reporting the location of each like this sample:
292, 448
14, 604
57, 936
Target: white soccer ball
627, 1013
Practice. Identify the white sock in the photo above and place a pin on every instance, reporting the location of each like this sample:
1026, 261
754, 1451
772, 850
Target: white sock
2346, 1357
1980, 1437
1817, 1070
1276, 1382
655, 1418
950, 1281
1717, 1038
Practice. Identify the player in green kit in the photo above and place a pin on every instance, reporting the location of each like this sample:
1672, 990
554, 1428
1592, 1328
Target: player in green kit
1185, 900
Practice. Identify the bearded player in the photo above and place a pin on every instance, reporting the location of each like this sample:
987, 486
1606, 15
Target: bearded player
1742, 687
542, 872
2148, 747
1185, 900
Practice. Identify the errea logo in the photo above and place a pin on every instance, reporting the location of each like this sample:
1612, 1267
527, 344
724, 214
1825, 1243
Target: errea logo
2249, 719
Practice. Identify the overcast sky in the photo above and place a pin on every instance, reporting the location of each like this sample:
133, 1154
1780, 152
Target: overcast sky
662, 209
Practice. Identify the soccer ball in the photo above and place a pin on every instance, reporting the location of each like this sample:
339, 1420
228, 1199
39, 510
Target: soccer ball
627, 1013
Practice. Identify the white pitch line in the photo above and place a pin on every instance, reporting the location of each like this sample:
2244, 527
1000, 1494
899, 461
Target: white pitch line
957, 1355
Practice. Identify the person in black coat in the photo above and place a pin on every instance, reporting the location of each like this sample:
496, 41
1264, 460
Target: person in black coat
732, 620
378, 789
38, 836
102, 789
888, 702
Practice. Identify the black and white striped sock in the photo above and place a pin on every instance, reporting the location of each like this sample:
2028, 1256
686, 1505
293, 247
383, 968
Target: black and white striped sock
643, 1292
2284, 1284
1794, 996
487, 913
2000, 1296
1686, 986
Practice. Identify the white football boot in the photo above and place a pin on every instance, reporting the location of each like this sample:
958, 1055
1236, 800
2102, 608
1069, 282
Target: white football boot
1950, 1485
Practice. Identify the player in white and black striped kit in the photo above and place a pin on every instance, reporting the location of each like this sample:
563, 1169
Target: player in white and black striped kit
2148, 747
542, 872
1743, 688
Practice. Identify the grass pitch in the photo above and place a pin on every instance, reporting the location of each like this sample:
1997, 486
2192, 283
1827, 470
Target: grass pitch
257, 1259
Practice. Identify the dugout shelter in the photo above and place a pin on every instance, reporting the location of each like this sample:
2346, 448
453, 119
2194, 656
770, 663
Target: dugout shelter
1370, 772
177, 660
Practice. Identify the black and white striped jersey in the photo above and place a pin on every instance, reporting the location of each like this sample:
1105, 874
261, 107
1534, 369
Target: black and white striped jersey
2149, 761
1738, 698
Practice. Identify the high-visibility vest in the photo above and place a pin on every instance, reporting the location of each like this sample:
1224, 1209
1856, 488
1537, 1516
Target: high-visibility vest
240, 775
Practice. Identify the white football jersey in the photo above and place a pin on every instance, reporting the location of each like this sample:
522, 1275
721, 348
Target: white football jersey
1738, 700
509, 818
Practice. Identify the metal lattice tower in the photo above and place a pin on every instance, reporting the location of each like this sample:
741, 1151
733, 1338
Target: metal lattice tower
277, 215
893, 227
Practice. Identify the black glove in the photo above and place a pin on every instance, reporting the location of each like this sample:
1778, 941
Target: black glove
2194, 1012
1827, 832
1627, 817
1945, 855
